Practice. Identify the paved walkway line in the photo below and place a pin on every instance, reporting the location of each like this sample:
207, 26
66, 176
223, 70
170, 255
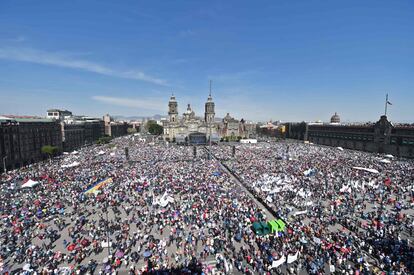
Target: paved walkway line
269, 215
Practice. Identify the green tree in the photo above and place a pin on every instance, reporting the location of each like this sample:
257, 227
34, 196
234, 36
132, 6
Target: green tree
49, 150
131, 130
104, 140
153, 128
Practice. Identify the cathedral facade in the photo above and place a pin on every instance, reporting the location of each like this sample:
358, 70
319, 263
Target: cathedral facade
181, 128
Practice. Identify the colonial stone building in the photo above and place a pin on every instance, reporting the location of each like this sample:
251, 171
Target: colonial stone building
380, 137
188, 127
233, 128
22, 138
115, 128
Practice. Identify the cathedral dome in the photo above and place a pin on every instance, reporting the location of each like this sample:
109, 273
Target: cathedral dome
335, 118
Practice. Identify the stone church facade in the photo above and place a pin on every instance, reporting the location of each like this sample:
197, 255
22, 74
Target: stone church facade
179, 129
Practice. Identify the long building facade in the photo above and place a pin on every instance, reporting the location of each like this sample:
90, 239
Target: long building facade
380, 137
21, 140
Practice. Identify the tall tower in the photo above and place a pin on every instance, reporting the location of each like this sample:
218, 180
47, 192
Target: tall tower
172, 109
209, 109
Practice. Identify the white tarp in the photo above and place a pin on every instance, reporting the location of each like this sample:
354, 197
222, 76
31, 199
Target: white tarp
309, 172
74, 152
297, 213
385, 161
279, 262
389, 156
346, 188
265, 188
165, 200
27, 267
366, 169
292, 258
340, 148
275, 190
105, 244
73, 164
248, 141
30, 183
101, 152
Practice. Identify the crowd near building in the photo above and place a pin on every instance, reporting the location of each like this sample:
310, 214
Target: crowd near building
380, 137
22, 137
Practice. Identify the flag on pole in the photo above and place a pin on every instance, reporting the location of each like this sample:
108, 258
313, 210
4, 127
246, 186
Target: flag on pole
388, 102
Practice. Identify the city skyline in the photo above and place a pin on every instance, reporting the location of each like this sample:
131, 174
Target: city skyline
291, 62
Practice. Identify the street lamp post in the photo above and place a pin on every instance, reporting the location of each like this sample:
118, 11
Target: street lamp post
4, 164
381, 206
209, 146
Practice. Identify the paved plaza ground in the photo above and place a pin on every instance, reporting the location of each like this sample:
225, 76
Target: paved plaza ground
164, 209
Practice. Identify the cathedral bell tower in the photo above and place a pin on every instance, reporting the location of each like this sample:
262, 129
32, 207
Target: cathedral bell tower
172, 109
209, 109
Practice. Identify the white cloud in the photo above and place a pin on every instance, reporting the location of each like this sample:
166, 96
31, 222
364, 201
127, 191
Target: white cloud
154, 104
60, 60
186, 33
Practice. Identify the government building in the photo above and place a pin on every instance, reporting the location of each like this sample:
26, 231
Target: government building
380, 137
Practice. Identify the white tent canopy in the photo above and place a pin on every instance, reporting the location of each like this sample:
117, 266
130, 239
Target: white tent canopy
367, 169
73, 164
30, 183
248, 141
164, 200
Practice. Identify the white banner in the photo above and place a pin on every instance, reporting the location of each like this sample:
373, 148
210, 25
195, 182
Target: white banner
279, 262
292, 258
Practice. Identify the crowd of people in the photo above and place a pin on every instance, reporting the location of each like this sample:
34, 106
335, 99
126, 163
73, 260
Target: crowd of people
159, 208
352, 211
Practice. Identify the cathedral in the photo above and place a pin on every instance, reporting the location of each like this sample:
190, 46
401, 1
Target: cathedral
188, 127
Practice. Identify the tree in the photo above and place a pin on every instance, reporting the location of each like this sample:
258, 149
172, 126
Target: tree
131, 130
49, 150
154, 128
104, 140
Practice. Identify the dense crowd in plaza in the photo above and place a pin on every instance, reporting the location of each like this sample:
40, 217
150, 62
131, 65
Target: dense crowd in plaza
351, 210
161, 209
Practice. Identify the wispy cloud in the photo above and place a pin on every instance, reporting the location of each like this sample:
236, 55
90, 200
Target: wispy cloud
186, 33
65, 61
154, 104
234, 76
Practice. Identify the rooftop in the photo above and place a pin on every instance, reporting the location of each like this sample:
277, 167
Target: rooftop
24, 118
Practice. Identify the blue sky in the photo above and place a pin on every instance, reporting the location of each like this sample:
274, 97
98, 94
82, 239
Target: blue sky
280, 60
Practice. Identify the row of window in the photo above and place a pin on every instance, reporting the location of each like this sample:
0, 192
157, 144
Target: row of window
343, 136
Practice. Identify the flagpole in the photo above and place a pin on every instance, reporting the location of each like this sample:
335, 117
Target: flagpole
386, 104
